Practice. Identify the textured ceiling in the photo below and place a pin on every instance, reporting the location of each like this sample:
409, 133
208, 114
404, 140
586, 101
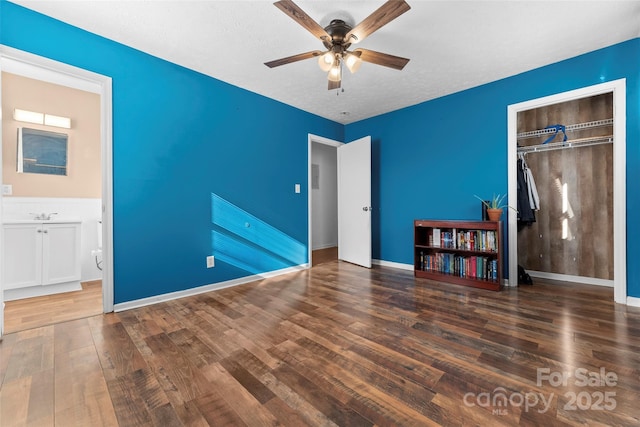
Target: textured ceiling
453, 45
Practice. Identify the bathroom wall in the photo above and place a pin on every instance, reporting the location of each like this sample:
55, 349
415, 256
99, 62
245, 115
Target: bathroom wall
84, 173
76, 195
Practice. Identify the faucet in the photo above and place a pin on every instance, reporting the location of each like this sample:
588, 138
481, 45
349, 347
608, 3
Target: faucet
43, 216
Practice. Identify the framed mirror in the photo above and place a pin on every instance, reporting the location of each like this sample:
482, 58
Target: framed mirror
41, 151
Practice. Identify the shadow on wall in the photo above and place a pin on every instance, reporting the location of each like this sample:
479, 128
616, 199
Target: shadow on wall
246, 242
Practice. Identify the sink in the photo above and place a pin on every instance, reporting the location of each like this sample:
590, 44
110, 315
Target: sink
43, 216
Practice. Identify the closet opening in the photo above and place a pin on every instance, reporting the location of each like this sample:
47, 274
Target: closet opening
565, 161
566, 153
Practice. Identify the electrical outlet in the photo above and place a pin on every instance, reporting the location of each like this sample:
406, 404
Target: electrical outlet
211, 261
7, 189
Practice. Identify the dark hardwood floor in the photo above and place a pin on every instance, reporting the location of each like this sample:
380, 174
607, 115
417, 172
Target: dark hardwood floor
321, 256
335, 345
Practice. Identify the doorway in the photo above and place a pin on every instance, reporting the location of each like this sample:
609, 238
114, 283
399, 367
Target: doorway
323, 200
617, 90
353, 199
25, 65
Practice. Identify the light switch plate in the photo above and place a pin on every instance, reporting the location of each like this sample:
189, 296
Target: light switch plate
211, 261
297, 188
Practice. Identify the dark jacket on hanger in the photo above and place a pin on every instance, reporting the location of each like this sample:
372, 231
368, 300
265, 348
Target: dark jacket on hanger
526, 215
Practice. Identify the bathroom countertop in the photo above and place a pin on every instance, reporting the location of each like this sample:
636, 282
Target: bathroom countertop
42, 221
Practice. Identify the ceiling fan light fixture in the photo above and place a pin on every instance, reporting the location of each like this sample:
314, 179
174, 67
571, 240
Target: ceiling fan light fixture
335, 73
352, 61
326, 60
338, 36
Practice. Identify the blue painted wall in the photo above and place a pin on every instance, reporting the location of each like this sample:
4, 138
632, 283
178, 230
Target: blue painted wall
430, 159
178, 138
181, 138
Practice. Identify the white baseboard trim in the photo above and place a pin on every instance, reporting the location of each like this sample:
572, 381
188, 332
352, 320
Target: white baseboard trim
633, 301
327, 246
205, 288
571, 278
392, 264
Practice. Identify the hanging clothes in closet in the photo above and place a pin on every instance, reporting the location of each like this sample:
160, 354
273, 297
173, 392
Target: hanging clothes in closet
528, 199
532, 191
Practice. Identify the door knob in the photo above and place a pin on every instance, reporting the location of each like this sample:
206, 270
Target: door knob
366, 208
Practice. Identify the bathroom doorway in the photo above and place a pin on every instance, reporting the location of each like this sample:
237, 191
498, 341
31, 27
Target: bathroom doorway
40, 85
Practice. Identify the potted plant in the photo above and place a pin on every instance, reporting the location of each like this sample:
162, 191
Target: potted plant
494, 206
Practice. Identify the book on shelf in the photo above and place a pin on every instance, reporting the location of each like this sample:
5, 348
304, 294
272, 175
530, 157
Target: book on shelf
473, 267
475, 240
455, 238
435, 238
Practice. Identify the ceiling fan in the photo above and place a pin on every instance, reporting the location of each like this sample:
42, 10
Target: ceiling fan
338, 36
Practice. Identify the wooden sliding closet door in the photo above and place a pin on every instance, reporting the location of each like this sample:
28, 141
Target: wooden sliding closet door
573, 232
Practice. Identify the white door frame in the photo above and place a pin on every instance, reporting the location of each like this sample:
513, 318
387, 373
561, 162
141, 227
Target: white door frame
40, 68
310, 140
1, 228
618, 89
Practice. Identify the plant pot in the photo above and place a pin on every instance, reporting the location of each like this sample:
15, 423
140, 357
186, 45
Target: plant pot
494, 214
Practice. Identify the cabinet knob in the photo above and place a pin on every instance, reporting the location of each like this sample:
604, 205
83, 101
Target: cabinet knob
45, 231
39, 231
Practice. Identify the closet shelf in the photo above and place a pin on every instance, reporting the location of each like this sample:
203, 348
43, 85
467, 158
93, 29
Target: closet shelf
573, 127
574, 143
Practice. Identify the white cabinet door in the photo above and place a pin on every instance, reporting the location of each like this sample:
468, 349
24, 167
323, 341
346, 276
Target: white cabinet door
22, 263
60, 253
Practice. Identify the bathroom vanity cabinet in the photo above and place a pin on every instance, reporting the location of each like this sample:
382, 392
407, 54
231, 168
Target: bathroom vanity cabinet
39, 254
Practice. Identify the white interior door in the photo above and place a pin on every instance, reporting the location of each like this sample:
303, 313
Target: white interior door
354, 202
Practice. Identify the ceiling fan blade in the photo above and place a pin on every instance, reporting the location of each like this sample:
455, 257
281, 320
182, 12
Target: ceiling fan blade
391, 61
334, 85
385, 14
299, 15
293, 58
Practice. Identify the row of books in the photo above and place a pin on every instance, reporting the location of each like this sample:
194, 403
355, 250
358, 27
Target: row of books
475, 267
471, 240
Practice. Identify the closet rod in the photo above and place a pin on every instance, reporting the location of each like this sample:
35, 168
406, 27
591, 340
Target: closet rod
573, 127
575, 143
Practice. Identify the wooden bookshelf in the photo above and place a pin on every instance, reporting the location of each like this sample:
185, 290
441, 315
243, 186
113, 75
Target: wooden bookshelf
460, 252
